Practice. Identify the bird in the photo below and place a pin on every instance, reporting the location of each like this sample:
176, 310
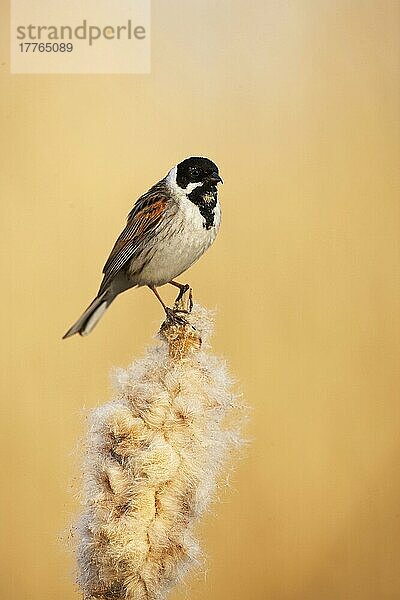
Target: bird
168, 229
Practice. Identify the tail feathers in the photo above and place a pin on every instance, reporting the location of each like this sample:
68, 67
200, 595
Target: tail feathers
91, 316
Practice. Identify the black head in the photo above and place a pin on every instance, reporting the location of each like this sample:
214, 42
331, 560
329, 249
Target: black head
197, 170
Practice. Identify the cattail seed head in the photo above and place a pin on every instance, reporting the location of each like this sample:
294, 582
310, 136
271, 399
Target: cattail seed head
153, 458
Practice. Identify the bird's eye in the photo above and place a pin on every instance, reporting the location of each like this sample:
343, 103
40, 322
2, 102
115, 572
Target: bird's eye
194, 172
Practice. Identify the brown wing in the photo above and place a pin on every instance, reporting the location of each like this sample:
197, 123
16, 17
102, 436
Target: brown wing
148, 217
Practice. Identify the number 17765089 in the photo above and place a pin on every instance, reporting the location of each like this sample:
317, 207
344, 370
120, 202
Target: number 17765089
46, 47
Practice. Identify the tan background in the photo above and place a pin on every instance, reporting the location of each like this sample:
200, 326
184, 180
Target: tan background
298, 102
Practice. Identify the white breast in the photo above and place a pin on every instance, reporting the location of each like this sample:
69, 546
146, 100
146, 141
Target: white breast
181, 244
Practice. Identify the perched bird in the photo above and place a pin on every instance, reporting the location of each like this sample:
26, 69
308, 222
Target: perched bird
168, 229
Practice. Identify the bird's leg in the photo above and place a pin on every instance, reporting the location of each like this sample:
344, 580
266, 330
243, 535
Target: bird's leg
154, 290
183, 288
171, 315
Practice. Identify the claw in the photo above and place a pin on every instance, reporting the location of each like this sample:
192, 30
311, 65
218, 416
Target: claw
190, 301
172, 316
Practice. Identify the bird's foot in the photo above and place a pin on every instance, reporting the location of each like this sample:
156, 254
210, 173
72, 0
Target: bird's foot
179, 333
180, 301
173, 318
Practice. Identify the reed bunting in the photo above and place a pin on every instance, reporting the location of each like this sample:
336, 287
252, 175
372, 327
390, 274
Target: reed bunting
168, 229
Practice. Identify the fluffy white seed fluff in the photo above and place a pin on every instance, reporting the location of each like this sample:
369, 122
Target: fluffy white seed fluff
153, 458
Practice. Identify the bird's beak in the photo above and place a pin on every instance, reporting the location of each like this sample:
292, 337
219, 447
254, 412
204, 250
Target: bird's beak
215, 178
